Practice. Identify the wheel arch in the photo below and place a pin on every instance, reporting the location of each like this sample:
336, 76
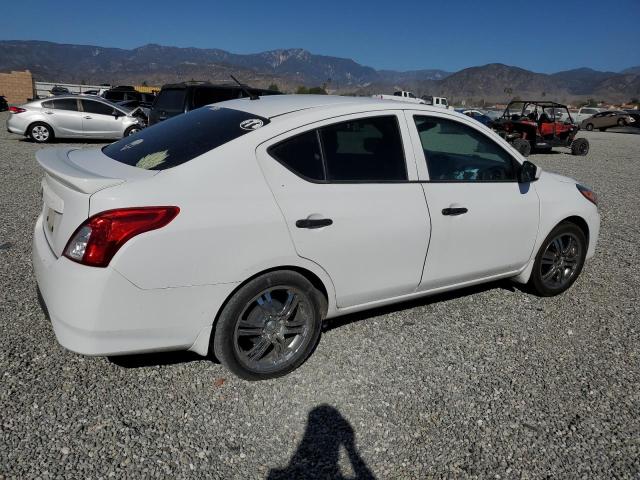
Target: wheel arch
28, 129
202, 344
580, 222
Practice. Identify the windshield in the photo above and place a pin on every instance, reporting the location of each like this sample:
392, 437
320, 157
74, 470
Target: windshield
183, 138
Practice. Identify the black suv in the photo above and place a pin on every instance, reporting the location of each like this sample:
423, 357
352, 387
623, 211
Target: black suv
125, 92
177, 98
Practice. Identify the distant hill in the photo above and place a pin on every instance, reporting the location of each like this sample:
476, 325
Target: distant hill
289, 68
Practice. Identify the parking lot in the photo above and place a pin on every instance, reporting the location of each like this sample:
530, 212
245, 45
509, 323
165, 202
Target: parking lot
484, 382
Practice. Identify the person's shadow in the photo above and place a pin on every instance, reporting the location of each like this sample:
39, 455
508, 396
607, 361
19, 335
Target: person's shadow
318, 453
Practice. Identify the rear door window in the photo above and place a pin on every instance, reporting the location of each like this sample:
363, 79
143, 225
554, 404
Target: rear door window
364, 150
70, 104
367, 150
170, 100
301, 154
183, 137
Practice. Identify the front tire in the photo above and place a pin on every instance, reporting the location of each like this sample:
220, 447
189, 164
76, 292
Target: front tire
269, 327
40, 132
559, 260
622, 122
589, 127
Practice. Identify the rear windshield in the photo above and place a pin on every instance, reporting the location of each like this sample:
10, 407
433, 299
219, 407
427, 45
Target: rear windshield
183, 138
171, 100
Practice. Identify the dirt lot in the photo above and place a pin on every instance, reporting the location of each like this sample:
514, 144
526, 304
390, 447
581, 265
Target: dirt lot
488, 381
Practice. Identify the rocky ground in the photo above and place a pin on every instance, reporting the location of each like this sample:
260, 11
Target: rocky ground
485, 382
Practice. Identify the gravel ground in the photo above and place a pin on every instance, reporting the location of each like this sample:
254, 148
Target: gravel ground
488, 381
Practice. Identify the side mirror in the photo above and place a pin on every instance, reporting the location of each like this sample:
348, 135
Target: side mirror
529, 172
116, 114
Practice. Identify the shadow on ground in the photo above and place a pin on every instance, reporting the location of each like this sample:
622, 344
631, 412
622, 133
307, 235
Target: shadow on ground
318, 454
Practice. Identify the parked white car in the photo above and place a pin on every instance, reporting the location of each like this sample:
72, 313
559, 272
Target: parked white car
242, 225
401, 96
74, 116
584, 113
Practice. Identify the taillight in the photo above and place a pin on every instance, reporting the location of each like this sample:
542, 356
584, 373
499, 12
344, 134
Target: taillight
588, 193
97, 240
16, 110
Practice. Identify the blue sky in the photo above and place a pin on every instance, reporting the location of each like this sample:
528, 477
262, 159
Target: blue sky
540, 35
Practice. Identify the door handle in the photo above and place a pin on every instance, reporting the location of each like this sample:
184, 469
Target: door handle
454, 211
313, 222
49, 113
87, 117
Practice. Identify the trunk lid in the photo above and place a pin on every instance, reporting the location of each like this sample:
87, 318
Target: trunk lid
71, 177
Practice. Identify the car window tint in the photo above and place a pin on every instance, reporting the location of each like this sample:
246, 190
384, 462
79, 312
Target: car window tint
114, 96
70, 104
183, 137
301, 154
457, 152
205, 96
368, 149
170, 100
47, 104
98, 108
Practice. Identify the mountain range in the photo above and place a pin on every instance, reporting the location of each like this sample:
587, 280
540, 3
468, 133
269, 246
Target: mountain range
290, 68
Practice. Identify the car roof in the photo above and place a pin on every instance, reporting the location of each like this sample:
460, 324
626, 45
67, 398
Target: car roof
276, 105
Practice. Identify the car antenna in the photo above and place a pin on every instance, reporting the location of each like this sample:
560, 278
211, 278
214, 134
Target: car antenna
252, 96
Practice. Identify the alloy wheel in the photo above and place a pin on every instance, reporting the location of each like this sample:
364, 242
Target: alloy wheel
560, 261
273, 329
40, 133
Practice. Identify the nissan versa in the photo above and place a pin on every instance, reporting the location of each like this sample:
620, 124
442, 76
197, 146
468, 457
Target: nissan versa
237, 228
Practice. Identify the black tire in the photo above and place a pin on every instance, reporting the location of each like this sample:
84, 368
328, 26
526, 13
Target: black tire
589, 127
522, 146
580, 146
622, 122
131, 130
40, 132
539, 284
266, 324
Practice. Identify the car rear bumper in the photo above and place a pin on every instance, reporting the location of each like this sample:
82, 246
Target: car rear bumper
97, 311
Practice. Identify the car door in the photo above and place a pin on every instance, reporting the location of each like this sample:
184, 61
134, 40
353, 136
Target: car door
99, 120
348, 191
483, 222
64, 116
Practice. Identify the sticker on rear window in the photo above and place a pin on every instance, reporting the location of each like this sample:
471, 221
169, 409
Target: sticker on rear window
251, 124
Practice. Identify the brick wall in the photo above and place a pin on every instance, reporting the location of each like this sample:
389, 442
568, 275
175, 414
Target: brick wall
17, 87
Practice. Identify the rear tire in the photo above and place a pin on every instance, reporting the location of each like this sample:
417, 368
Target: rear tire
40, 132
522, 146
269, 327
580, 146
559, 260
589, 127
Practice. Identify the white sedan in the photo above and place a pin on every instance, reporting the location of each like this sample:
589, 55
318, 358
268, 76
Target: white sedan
237, 228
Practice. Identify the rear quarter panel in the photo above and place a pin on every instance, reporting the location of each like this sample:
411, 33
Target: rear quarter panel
228, 229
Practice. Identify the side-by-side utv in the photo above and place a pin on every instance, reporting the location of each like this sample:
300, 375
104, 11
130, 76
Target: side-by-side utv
531, 125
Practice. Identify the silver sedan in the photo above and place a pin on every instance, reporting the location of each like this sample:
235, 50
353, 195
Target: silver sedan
73, 116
